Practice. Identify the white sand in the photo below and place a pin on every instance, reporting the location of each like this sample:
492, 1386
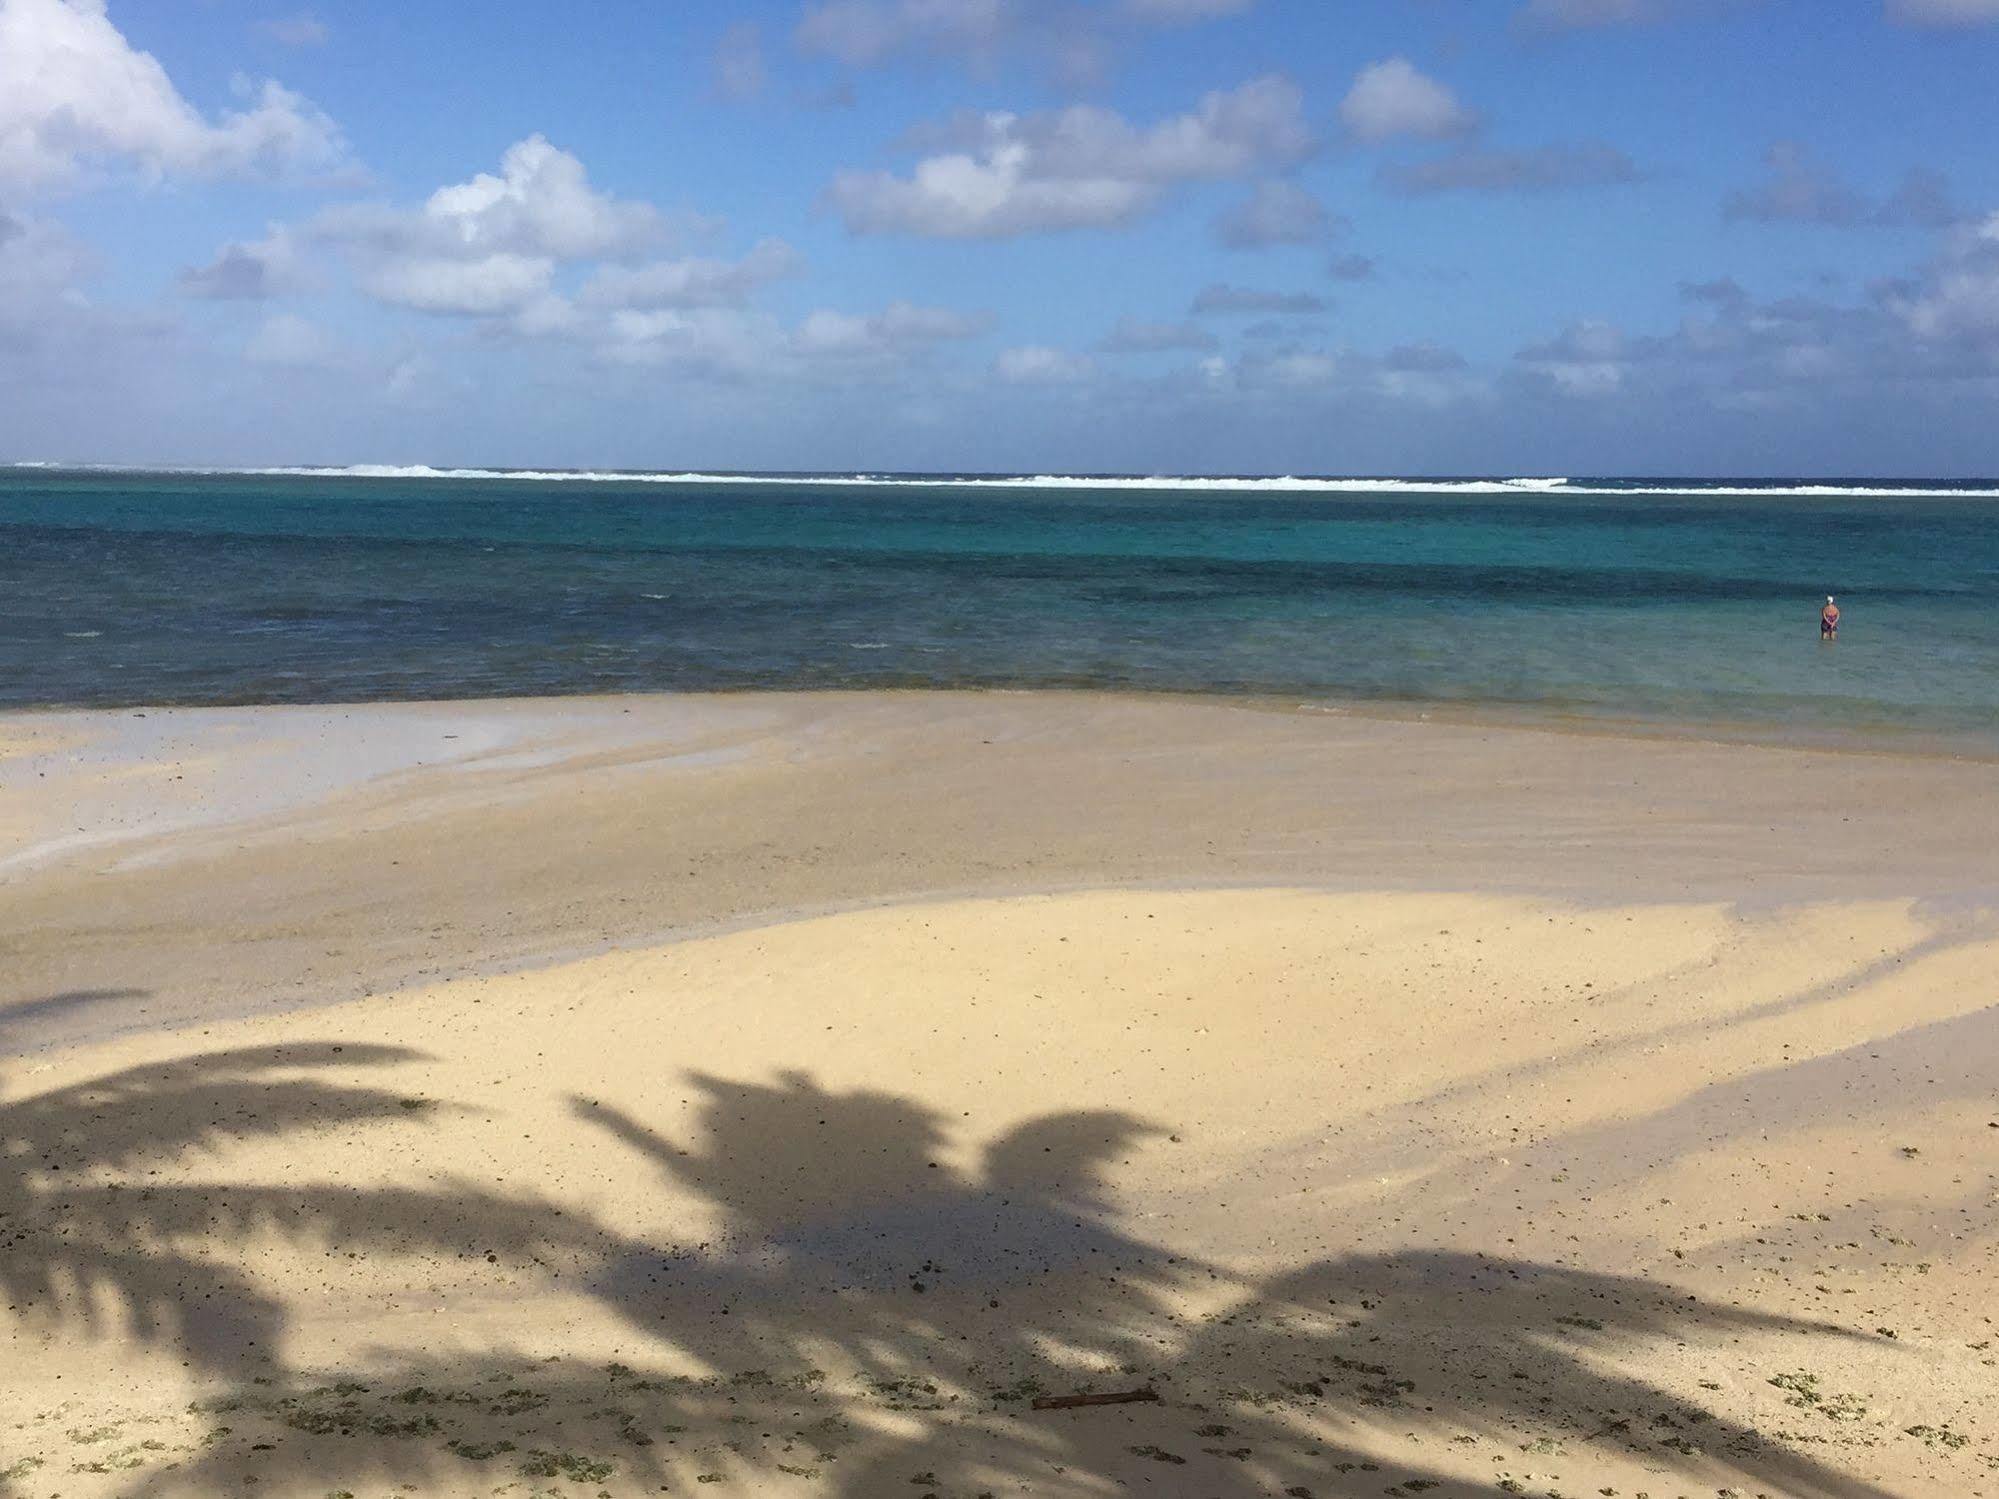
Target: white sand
1502, 1187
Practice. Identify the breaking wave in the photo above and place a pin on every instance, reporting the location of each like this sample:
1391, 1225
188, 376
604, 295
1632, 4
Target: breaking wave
1283, 483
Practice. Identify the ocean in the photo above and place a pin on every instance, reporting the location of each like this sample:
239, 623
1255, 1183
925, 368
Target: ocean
1675, 603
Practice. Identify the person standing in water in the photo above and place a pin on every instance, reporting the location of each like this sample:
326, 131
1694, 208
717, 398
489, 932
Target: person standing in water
1829, 620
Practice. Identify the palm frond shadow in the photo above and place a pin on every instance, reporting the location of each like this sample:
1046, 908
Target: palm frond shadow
870, 1315
25, 1022
86, 1240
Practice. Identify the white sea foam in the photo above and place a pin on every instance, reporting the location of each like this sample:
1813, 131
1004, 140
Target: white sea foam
1282, 483
1286, 483
1793, 491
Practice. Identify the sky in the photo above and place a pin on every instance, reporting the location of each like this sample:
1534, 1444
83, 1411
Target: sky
1534, 237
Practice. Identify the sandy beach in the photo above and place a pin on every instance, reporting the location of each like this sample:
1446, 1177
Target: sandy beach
776, 1094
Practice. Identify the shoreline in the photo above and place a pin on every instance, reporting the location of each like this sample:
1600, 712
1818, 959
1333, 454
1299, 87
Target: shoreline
1877, 739
446, 736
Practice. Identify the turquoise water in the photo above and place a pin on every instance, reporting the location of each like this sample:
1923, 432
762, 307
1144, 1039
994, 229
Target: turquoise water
1679, 603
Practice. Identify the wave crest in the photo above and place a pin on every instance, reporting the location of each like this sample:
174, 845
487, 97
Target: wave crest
1249, 484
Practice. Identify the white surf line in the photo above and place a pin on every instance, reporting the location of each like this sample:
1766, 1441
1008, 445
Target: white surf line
1285, 483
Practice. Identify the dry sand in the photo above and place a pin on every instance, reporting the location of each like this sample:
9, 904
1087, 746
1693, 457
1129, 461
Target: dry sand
773, 1095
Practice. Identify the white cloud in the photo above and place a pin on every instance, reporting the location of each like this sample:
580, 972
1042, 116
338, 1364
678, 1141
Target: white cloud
712, 342
739, 343
1908, 341
248, 271
541, 203
1957, 299
837, 335
74, 92
1426, 375
1239, 299
277, 134
1798, 189
1174, 12
1564, 15
1944, 12
693, 282
1276, 213
1038, 364
740, 73
41, 268
1080, 167
1075, 38
548, 315
1300, 367
63, 356
905, 322
743, 344
1133, 337
1587, 359
301, 30
507, 249
1413, 376
65, 359
718, 336
490, 245
411, 379
1423, 359
1392, 98
290, 341
1540, 169
901, 328
489, 284
863, 32
1596, 15
990, 196
1801, 190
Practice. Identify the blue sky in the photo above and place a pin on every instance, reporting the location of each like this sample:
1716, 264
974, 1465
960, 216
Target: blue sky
1333, 236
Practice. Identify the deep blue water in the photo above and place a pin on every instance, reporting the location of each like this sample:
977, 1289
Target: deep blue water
1670, 601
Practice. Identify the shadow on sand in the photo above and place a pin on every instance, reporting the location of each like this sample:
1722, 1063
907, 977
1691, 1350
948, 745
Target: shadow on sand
869, 1319
26, 1023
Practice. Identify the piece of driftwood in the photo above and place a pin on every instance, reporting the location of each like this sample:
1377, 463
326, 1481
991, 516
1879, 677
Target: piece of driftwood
1070, 1402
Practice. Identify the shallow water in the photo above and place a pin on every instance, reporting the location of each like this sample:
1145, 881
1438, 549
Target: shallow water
1692, 604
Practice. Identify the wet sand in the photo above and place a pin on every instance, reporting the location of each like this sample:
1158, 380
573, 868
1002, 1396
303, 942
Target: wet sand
226, 861
774, 1094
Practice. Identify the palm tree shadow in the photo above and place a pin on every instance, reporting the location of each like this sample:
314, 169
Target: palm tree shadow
27, 1023
86, 1242
841, 1224
945, 1282
851, 1198
1530, 1356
